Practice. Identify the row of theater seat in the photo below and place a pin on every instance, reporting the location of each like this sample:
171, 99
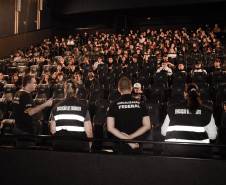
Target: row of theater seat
158, 91
159, 88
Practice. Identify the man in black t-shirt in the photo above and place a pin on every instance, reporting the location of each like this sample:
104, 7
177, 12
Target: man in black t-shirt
24, 108
127, 118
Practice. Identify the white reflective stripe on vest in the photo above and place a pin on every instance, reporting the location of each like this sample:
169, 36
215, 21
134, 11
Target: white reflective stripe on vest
188, 141
185, 128
69, 117
70, 128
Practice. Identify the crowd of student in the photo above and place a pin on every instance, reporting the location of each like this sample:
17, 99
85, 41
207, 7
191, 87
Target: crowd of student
158, 62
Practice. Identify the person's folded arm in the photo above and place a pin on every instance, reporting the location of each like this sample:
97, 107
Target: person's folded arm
52, 126
111, 128
211, 129
165, 125
146, 125
88, 129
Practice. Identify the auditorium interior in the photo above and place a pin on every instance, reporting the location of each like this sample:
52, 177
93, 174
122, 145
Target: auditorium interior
160, 45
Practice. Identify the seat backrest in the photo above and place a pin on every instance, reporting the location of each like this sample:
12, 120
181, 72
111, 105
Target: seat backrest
58, 91
156, 93
205, 93
221, 93
113, 95
179, 78
161, 78
10, 88
199, 77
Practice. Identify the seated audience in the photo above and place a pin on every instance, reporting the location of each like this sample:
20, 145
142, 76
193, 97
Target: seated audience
165, 68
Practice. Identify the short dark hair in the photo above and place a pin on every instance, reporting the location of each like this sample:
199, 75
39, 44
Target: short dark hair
124, 84
27, 79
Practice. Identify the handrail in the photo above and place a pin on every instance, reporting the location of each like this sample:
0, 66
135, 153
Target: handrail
147, 147
67, 137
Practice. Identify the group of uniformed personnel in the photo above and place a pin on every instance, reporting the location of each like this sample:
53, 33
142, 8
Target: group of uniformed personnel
127, 117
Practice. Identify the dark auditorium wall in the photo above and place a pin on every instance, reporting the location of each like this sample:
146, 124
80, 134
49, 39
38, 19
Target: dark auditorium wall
27, 28
27, 19
27, 16
46, 14
80, 6
126, 14
6, 17
9, 44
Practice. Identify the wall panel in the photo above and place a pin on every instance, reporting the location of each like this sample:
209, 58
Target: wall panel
80, 6
9, 44
6, 17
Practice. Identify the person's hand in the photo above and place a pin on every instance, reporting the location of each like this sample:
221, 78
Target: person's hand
127, 135
49, 102
3, 99
134, 145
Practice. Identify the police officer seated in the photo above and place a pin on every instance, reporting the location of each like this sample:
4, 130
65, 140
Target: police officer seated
71, 118
189, 122
127, 118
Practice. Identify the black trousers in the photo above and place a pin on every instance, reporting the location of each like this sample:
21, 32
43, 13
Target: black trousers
124, 148
70, 141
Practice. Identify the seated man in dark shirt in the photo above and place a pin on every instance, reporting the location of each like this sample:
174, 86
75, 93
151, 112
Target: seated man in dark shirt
24, 108
216, 66
127, 118
138, 93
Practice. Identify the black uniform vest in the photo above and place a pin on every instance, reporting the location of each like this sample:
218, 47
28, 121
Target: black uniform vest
70, 115
187, 126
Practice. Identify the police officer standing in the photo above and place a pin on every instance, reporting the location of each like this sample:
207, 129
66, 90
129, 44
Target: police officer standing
189, 122
127, 118
24, 108
71, 116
